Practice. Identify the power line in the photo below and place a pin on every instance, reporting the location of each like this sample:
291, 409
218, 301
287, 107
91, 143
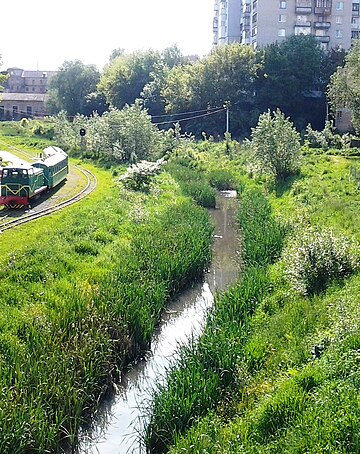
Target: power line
183, 113
190, 118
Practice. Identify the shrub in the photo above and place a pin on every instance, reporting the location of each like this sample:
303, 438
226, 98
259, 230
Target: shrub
276, 145
138, 176
221, 179
318, 257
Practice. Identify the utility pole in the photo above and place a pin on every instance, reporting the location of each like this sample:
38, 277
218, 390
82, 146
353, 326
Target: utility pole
227, 107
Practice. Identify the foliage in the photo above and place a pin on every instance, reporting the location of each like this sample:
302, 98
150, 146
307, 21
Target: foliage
327, 138
290, 71
225, 75
125, 135
262, 233
70, 88
316, 258
3, 77
139, 176
125, 76
193, 183
276, 145
344, 85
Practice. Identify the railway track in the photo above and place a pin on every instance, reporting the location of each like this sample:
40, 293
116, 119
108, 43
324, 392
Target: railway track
30, 216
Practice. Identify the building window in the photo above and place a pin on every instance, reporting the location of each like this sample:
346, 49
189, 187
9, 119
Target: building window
28, 110
282, 5
339, 6
281, 32
339, 20
355, 6
355, 22
338, 34
282, 17
15, 110
355, 34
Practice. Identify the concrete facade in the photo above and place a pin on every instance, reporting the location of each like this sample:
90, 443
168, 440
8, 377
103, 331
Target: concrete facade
260, 22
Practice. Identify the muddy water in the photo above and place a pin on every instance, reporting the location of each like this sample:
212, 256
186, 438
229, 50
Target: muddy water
117, 428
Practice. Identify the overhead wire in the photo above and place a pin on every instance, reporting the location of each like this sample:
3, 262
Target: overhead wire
190, 118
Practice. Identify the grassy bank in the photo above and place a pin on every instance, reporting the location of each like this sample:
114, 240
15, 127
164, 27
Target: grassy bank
81, 293
277, 368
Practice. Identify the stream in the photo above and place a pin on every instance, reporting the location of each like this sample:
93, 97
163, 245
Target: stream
120, 420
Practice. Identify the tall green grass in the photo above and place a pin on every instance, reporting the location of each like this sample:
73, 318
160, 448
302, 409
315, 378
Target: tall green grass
81, 300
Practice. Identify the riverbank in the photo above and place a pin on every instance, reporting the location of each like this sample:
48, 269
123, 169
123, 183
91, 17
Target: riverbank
277, 369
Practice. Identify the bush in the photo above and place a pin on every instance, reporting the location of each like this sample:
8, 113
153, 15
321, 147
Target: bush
139, 176
317, 258
276, 145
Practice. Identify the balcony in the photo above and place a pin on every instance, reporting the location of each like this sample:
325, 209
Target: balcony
302, 23
322, 24
323, 39
303, 7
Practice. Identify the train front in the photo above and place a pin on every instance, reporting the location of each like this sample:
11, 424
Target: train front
18, 185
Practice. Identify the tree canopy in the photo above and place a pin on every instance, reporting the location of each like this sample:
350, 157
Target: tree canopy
344, 88
73, 87
225, 76
289, 77
124, 77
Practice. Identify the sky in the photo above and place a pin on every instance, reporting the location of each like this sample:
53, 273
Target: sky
42, 34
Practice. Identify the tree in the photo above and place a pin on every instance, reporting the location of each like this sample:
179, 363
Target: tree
276, 145
289, 78
226, 75
344, 87
125, 77
3, 77
71, 87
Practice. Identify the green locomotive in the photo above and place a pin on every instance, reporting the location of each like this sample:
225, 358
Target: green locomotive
23, 183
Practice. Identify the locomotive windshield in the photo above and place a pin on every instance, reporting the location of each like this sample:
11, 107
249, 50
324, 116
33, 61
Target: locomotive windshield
14, 173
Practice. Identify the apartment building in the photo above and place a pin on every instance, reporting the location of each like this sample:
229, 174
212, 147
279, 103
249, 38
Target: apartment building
260, 22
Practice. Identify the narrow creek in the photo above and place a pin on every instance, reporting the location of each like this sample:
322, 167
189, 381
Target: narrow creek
120, 420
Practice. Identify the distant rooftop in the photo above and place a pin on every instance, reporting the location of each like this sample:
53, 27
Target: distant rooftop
23, 97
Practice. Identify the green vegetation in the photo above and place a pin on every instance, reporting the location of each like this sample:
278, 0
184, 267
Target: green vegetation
80, 296
344, 85
276, 145
277, 370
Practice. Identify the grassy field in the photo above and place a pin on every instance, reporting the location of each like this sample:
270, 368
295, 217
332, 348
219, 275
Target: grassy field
81, 293
277, 368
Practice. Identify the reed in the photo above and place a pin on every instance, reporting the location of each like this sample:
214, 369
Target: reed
81, 303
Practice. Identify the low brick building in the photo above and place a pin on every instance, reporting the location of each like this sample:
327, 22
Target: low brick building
14, 106
25, 94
